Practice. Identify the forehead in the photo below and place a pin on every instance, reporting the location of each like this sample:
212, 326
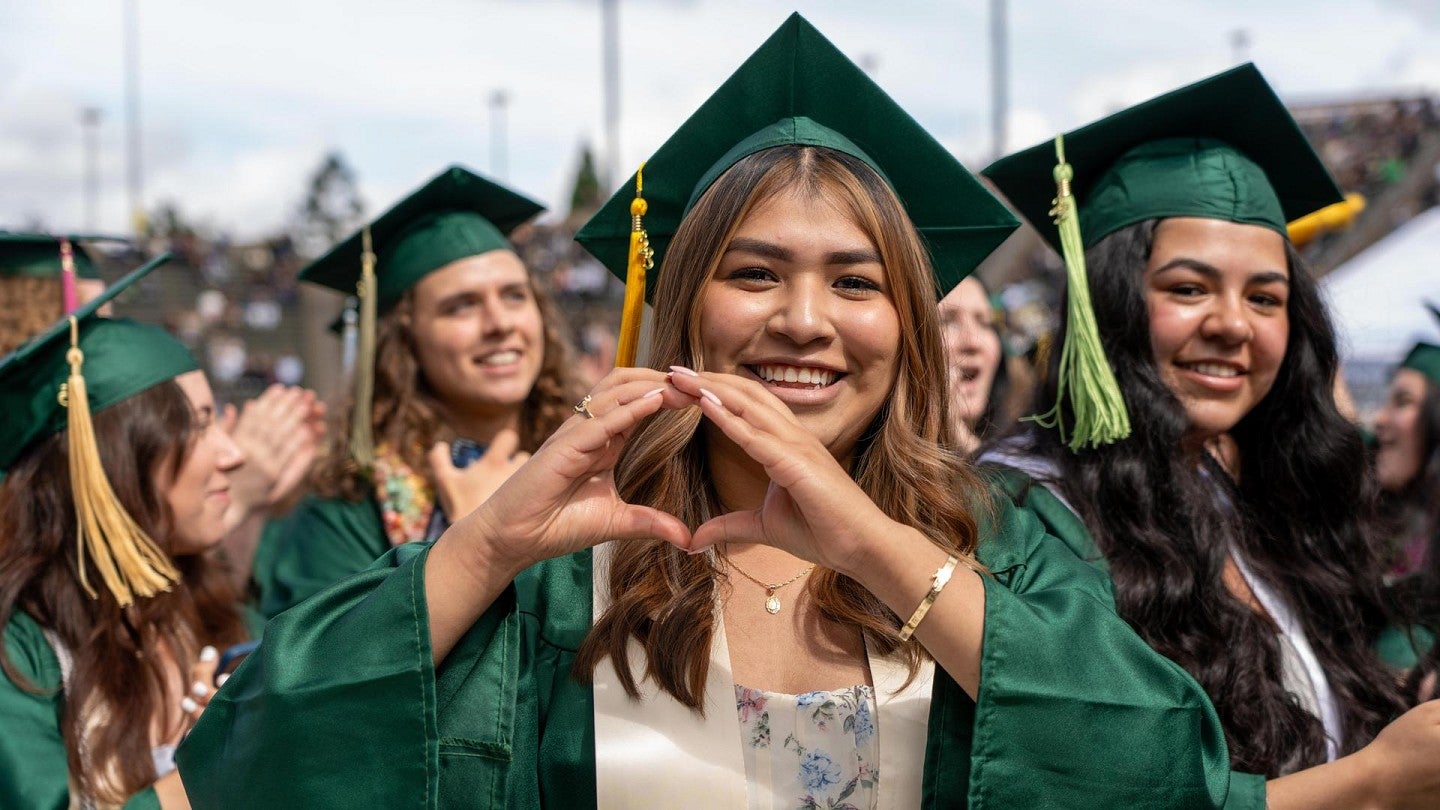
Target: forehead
818, 215
196, 388
1409, 380
1221, 244
492, 269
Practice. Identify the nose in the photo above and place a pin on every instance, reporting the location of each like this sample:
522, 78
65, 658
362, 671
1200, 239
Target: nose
1227, 321
803, 314
499, 320
229, 455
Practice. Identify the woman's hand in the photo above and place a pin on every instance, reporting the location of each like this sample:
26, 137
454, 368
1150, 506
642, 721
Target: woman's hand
1404, 759
280, 432
813, 508
563, 499
462, 489
201, 686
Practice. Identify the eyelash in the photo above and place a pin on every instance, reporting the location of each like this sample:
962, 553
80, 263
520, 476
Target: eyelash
850, 283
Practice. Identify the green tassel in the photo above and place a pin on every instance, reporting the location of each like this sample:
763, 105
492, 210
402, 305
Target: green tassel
1085, 375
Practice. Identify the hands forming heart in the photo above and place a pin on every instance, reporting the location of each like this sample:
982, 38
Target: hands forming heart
564, 499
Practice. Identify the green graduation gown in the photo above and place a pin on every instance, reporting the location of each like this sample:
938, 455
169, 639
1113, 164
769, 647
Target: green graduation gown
323, 541
34, 771
341, 706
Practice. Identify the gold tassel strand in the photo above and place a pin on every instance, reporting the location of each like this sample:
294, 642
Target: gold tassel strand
362, 438
1085, 375
641, 260
127, 559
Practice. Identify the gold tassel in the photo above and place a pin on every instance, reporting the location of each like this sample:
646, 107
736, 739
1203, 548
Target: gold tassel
1085, 375
126, 557
642, 260
362, 439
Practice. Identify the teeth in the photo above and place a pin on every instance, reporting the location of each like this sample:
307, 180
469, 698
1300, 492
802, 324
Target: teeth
500, 358
1215, 370
817, 377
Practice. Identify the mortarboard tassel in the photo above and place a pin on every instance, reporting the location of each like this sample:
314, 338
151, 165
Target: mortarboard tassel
67, 276
362, 439
1332, 217
642, 260
126, 557
1084, 374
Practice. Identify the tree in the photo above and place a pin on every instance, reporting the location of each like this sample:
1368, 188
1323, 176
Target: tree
332, 209
586, 196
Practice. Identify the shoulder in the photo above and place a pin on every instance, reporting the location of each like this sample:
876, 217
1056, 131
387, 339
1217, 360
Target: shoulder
30, 653
1032, 542
559, 594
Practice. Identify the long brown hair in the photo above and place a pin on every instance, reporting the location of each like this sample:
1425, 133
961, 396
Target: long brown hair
665, 598
406, 411
117, 671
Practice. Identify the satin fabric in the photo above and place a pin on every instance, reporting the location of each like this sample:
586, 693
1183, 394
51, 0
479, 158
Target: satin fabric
321, 542
341, 706
34, 772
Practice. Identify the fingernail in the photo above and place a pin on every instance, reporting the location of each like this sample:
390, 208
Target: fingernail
188, 705
208, 653
710, 396
221, 679
657, 392
683, 370
701, 550
199, 689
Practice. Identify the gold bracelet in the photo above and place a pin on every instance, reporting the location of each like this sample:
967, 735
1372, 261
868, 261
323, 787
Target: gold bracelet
942, 576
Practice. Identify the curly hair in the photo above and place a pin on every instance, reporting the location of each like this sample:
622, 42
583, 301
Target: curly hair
1300, 515
406, 412
118, 679
27, 306
664, 598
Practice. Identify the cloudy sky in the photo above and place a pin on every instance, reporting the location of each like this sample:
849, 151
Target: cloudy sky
240, 101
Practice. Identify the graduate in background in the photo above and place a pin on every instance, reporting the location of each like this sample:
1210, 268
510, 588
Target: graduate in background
461, 360
34, 288
1257, 575
858, 622
976, 364
111, 604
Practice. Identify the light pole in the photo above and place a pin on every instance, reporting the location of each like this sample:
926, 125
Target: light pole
610, 57
133, 172
498, 100
90, 128
999, 78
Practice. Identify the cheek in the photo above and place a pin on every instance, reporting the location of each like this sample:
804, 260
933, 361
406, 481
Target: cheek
727, 324
1272, 338
872, 337
1170, 328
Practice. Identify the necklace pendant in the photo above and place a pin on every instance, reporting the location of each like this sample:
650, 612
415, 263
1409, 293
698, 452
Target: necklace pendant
772, 603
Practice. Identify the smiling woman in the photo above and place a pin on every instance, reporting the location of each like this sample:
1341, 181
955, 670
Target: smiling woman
1257, 575
467, 354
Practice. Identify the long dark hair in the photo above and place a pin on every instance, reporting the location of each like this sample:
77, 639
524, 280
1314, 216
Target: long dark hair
116, 670
1166, 521
1414, 511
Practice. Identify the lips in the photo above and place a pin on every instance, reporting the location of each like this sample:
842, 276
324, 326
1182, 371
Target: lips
503, 357
1212, 368
811, 377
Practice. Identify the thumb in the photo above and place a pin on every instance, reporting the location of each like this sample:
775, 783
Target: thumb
506, 442
439, 458
738, 527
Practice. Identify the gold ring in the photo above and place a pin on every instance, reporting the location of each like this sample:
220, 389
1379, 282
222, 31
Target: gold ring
583, 406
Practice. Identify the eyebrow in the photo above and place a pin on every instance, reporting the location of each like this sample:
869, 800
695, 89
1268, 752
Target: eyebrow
772, 251
1213, 272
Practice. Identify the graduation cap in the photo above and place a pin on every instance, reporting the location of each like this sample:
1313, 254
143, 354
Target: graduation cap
1425, 357
1222, 148
797, 88
455, 215
80, 366
43, 255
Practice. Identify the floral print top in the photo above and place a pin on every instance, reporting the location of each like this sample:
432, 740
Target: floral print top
814, 751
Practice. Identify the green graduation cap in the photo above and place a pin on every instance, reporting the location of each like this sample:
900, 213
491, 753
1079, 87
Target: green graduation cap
1424, 357
38, 255
455, 215
1222, 148
80, 366
798, 88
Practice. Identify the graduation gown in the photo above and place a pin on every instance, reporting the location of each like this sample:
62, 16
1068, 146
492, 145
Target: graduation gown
341, 706
323, 541
34, 772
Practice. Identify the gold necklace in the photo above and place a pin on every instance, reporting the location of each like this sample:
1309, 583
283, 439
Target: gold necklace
772, 602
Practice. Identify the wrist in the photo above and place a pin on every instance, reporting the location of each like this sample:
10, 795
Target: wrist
480, 548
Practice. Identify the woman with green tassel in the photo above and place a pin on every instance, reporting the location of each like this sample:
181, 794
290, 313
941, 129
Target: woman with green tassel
756, 573
462, 372
1255, 573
